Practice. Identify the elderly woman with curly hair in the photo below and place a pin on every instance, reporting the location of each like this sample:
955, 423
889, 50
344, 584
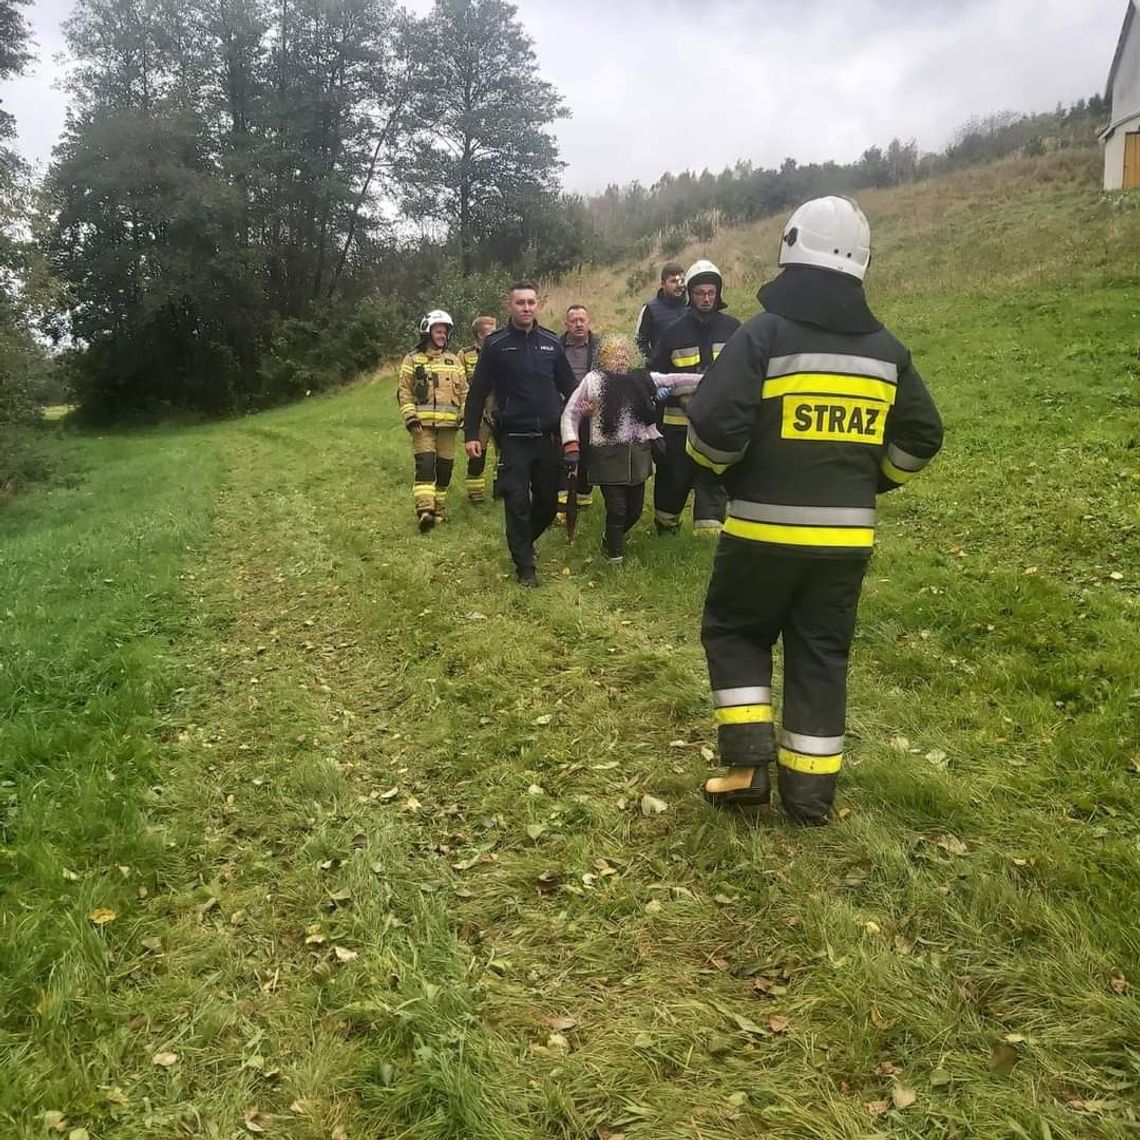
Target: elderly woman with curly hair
620, 402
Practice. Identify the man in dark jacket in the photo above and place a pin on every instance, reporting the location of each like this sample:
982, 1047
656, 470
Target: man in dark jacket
524, 367
581, 348
812, 409
658, 313
690, 344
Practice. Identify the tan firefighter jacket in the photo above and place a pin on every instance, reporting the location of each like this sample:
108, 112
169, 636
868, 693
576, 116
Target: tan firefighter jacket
433, 387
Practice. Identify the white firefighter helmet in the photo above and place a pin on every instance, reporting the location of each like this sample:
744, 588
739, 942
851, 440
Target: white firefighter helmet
436, 317
828, 233
703, 271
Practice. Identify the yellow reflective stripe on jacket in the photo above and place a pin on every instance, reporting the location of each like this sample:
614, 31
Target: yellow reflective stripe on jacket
744, 714
895, 474
674, 417
704, 460
855, 537
899, 465
825, 384
685, 357
810, 765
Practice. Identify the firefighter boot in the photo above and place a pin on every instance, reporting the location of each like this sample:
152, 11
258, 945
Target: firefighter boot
740, 789
747, 747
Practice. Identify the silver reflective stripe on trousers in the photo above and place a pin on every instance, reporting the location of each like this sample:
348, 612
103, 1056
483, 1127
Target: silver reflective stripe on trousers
746, 695
781, 515
903, 460
836, 362
811, 745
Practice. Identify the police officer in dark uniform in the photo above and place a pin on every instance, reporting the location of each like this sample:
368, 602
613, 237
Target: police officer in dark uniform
812, 409
525, 368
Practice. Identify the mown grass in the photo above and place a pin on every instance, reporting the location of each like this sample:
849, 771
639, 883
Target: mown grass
387, 810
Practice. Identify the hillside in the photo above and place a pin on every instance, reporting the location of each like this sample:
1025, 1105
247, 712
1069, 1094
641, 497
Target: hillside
981, 230
319, 828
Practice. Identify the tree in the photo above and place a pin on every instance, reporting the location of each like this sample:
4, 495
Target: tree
14, 52
482, 112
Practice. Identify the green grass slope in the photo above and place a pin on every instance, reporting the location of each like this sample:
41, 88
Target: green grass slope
315, 827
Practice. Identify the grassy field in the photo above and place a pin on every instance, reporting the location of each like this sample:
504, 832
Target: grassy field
317, 828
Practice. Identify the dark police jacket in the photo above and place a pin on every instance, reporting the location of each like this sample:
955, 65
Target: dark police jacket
808, 423
530, 378
690, 344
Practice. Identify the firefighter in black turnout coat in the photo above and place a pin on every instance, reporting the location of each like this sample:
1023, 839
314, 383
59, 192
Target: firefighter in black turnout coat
690, 344
812, 409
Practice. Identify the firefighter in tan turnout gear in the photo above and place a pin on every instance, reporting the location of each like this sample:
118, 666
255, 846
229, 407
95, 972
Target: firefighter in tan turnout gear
812, 409
433, 387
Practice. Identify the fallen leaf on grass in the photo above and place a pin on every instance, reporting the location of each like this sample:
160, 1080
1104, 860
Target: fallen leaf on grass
707, 753
878, 1020
737, 1099
165, 1060
339, 1133
940, 1078
154, 945
548, 881
953, 844
1003, 1058
877, 1107
1118, 983
390, 794
651, 805
54, 1120
102, 915
748, 1025
411, 804
79, 1134
546, 718
778, 1024
561, 1024
256, 1121
536, 830
903, 1096
343, 954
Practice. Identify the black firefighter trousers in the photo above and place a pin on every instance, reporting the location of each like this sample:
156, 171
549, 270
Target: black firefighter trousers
677, 476
527, 480
757, 595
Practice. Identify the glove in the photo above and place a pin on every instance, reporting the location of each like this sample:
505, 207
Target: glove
663, 394
414, 425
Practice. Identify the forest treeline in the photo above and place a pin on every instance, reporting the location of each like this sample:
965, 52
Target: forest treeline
256, 199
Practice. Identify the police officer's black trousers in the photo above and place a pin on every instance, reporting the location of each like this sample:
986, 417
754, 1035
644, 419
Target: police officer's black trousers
527, 479
756, 596
678, 475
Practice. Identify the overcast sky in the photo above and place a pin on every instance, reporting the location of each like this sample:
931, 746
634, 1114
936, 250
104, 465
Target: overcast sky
659, 85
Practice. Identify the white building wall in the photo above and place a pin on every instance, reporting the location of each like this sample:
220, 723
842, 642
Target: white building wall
1125, 102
